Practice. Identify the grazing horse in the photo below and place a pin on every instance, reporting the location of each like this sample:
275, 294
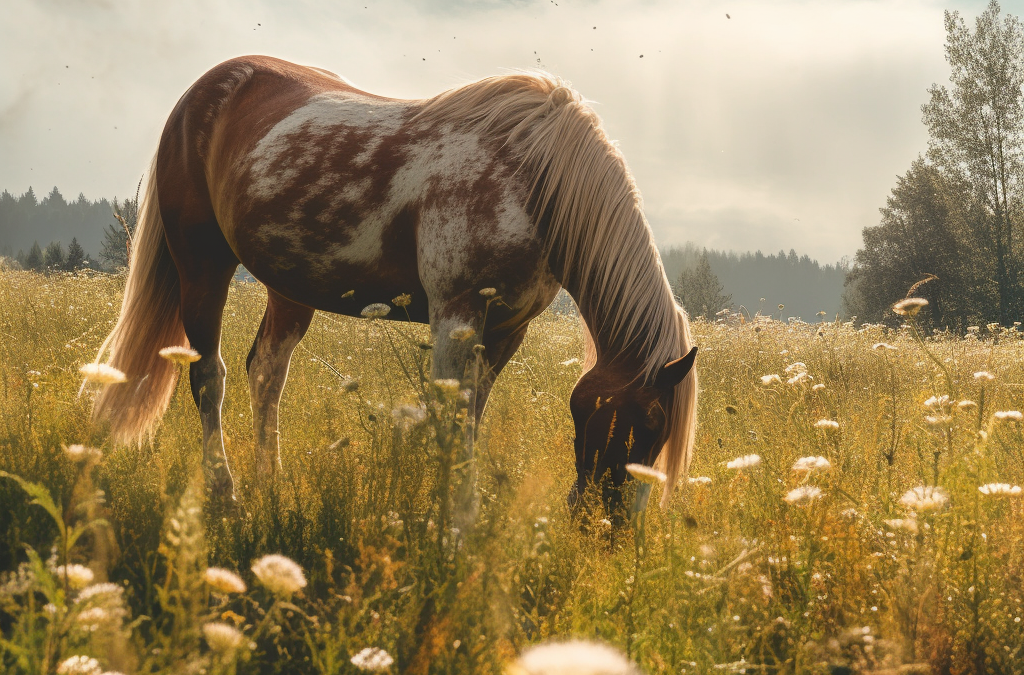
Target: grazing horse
335, 199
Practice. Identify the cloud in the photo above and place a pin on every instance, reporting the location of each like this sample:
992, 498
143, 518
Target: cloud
781, 127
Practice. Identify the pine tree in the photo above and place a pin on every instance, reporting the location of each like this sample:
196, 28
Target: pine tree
700, 291
53, 257
76, 256
34, 260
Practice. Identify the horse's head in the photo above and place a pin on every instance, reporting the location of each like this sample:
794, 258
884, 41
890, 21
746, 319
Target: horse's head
620, 420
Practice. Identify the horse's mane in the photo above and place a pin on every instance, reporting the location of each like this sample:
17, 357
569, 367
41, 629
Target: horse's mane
597, 228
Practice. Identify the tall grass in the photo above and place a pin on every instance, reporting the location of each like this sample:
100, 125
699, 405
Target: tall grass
733, 577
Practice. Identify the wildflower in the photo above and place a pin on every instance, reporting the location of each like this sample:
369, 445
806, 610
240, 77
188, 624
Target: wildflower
809, 464
803, 495
938, 421
372, 659
818, 387
570, 362
408, 416
909, 306
984, 376
799, 378
770, 379
828, 425
937, 402
797, 367
223, 580
93, 618
883, 346
1000, 489
925, 498
698, 480
98, 591
281, 575
448, 386
966, 405
460, 333
79, 665
78, 576
222, 637
646, 474
488, 292
348, 294
375, 311
744, 462
102, 373
1009, 415
403, 300
81, 453
905, 524
575, 656
180, 355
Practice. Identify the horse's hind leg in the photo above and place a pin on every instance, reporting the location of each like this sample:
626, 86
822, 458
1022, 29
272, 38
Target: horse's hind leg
284, 324
204, 291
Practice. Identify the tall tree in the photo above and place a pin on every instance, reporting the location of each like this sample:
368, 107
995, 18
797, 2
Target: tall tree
117, 238
977, 135
53, 257
76, 256
700, 291
34, 260
925, 230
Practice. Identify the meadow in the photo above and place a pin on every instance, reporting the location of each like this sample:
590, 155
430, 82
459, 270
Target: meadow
832, 521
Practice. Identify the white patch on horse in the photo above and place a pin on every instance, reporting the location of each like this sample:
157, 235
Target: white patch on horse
324, 117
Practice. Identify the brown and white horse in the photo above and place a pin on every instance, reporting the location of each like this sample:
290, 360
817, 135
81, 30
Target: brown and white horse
335, 199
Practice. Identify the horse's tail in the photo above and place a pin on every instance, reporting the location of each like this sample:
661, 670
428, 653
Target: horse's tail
150, 319
675, 456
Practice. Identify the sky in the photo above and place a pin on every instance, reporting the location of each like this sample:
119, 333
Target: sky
749, 125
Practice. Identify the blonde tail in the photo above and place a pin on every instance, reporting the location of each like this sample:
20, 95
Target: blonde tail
675, 456
150, 319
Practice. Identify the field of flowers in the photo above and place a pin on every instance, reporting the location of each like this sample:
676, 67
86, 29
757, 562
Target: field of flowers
852, 507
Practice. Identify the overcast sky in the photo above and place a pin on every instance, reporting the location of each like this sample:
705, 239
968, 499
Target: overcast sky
783, 125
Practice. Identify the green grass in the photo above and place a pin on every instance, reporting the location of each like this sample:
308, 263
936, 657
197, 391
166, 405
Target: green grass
730, 576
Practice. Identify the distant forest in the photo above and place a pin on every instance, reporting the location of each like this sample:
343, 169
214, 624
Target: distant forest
802, 285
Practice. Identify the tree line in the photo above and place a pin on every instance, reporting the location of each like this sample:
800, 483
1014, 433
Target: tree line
954, 218
101, 227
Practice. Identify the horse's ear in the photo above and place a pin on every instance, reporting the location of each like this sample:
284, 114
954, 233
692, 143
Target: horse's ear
673, 372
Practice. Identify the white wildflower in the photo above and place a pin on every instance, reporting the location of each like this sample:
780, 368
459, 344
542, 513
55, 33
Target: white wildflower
883, 346
809, 464
222, 637
796, 367
576, 657
909, 306
403, 300
803, 495
1009, 415
770, 379
79, 576
744, 462
818, 387
180, 355
646, 474
938, 421
102, 373
488, 292
79, 665
223, 580
281, 575
925, 498
407, 416
1000, 489
905, 524
449, 386
938, 402
827, 425
966, 405
570, 362
372, 659
377, 310
984, 376
799, 378
698, 480
105, 592
462, 332
92, 618
82, 453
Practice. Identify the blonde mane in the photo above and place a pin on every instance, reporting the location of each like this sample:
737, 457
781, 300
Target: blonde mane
597, 229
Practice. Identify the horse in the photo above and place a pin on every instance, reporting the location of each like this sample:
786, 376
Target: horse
337, 199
